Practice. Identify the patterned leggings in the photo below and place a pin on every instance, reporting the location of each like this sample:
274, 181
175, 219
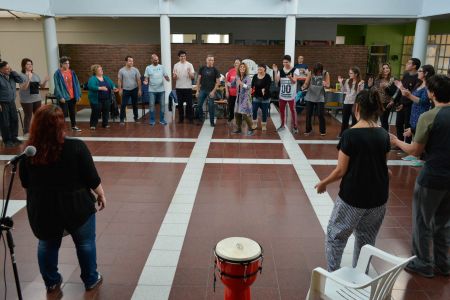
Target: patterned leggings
345, 220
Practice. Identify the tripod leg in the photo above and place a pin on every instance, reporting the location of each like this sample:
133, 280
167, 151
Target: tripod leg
11, 246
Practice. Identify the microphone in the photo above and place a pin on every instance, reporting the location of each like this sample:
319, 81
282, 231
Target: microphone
29, 152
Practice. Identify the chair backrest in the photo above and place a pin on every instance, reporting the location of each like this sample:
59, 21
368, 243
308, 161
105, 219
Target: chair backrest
381, 286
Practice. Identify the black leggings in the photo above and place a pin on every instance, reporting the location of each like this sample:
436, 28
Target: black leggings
70, 106
347, 111
231, 103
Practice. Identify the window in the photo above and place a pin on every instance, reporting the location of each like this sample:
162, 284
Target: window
183, 38
438, 52
340, 40
215, 38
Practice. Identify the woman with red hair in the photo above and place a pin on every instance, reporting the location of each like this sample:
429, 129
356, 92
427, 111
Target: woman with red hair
59, 181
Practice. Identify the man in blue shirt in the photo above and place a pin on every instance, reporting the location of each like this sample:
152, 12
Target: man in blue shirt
154, 77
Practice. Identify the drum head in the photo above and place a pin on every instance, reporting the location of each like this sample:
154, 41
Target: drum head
238, 249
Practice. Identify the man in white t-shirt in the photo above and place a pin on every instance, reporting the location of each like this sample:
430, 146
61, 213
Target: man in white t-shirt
154, 77
183, 74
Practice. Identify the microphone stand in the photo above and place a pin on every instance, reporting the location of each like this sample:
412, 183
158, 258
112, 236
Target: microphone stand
6, 224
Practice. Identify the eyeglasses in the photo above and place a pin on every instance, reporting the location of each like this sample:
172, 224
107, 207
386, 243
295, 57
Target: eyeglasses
420, 71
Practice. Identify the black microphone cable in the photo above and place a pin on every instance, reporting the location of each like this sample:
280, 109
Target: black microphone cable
2, 236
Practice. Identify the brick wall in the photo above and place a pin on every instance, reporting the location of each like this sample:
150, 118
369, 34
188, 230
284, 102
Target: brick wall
336, 59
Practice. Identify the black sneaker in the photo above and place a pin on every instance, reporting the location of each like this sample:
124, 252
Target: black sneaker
10, 144
237, 131
425, 272
17, 142
75, 128
96, 284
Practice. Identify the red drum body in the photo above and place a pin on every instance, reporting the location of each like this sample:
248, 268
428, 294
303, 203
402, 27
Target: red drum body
237, 263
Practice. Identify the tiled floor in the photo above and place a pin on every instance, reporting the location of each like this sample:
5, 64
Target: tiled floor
219, 189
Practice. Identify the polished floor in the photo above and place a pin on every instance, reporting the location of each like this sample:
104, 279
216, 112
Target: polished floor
174, 191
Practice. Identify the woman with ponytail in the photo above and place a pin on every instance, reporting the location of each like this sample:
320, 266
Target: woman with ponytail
362, 165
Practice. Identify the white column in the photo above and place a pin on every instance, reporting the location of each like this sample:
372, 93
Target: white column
421, 39
51, 48
166, 51
289, 39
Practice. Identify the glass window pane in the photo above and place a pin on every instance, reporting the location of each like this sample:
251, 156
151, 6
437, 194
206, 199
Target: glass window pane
405, 40
441, 62
446, 63
447, 51
438, 39
431, 50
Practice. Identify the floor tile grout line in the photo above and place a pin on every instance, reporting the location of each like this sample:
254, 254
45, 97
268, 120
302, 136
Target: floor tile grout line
192, 174
301, 164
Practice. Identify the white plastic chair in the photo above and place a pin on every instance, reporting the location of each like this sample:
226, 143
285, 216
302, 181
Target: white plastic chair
354, 283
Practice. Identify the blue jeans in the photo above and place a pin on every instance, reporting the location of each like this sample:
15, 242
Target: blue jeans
84, 239
160, 97
211, 106
126, 95
263, 104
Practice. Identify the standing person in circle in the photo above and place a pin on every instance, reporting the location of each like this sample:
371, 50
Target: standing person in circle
243, 107
183, 74
100, 92
60, 182
421, 104
230, 91
261, 100
30, 99
364, 190
207, 83
154, 77
288, 89
384, 84
9, 123
129, 84
409, 81
351, 87
431, 197
67, 90
316, 82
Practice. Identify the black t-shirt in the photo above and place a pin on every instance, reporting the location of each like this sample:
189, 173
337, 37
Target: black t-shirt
260, 84
285, 74
366, 182
409, 82
209, 76
59, 194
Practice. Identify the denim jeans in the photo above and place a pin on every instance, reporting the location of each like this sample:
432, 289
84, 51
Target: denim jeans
263, 104
211, 106
160, 97
84, 239
126, 95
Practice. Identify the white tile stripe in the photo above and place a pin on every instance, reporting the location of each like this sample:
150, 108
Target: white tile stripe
135, 139
255, 161
322, 203
159, 271
14, 206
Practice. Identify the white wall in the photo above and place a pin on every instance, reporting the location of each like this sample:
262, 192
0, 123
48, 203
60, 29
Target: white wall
435, 7
39, 7
99, 8
244, 8
359, 9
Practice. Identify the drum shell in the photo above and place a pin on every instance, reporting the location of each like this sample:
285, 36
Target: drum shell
239, 275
